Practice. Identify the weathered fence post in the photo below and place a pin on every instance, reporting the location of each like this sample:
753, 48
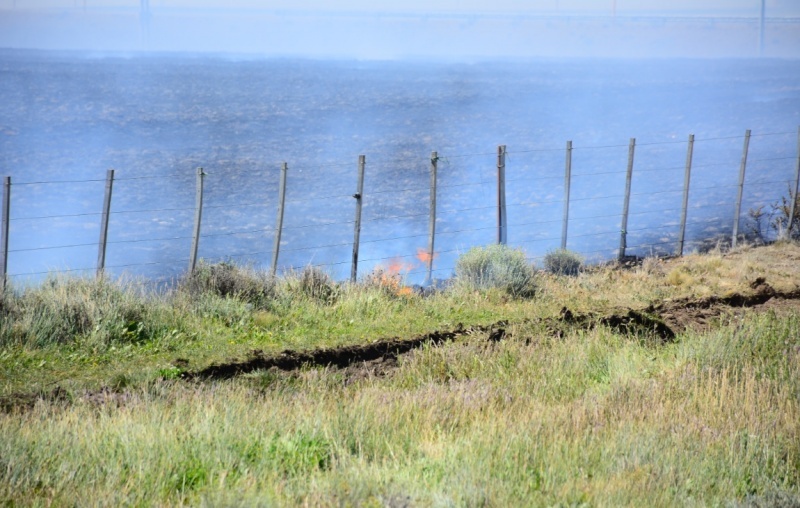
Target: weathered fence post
279, 225
359, 195
742, 168
4, 230
623, 236
502, 221
101, 249
567, 179
793, 204
198, 217
685, 205
432, 223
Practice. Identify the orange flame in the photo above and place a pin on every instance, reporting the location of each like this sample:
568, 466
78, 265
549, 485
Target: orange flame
425, 256
396, 265
390, 276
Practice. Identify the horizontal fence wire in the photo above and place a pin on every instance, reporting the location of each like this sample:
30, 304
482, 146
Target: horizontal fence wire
525, 174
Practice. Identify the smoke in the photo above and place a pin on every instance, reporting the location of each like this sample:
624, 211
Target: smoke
461, 31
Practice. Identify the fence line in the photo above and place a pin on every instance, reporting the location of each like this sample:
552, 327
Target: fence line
501, 226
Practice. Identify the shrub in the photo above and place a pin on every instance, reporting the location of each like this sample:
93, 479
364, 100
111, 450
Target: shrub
563, 262
63, 308
652, 266
228, 280
774, 218
496, 266
314, 283
386, 281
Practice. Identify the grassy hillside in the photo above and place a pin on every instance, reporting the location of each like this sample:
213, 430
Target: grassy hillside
670, 382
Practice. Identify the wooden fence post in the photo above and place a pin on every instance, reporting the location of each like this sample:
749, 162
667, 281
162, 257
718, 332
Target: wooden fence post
279, 225
4, 230
742, 168
101, 249
198, 217
567, 179
502, 222
359, 195
623, 236
793, 197
685, 205
432, 222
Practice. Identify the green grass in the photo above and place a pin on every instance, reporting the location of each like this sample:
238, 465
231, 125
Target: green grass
593, 417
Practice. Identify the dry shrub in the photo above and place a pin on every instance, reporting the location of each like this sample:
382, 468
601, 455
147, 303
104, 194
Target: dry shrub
228, 280
679, 276
563, 262
387, 281
314, 283
652, 266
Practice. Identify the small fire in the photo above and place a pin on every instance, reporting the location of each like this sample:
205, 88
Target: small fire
425, 256
390, 277
396, 265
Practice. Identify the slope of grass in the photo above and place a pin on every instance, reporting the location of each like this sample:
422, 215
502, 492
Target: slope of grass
593, 416
84, 334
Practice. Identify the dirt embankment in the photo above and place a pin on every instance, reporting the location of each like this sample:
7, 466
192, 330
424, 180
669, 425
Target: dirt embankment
661, 321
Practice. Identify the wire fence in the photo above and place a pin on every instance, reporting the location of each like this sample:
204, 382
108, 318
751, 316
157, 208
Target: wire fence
414, 214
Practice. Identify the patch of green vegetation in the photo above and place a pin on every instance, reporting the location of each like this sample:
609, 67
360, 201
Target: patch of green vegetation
592, 417
563, 262
551, 413
496, 267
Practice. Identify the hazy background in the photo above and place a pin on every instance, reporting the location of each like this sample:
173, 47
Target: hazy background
157, 88
445, 29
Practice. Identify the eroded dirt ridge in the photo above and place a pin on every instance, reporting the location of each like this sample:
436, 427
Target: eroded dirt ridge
661, 321
341, 357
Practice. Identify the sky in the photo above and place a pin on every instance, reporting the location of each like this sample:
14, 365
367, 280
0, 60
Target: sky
778, 7
395, 29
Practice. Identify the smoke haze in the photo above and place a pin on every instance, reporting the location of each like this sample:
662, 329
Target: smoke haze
447, 29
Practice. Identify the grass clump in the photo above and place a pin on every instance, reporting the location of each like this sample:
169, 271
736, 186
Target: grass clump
315, 284
62, 309
496, 266
227, 280
563, 262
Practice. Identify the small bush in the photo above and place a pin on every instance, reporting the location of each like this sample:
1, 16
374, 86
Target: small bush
63, 308
227, 280
315, 284
563, 262
652, 266
496, 266
388, 282
773, 221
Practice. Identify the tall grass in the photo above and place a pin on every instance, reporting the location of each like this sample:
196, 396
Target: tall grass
63, 308
593, 418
